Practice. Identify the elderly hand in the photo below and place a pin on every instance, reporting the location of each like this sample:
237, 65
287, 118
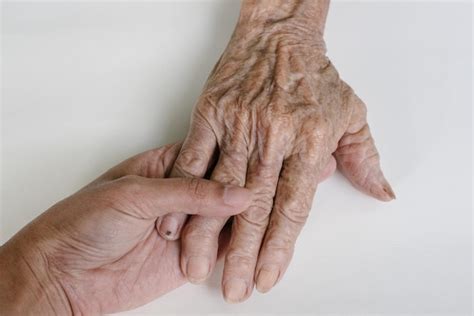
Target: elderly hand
277, 113
98, 251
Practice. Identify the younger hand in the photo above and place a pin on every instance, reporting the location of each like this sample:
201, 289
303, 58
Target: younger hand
98, 251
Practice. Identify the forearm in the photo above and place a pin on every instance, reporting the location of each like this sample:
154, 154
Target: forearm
308, 13
26, 288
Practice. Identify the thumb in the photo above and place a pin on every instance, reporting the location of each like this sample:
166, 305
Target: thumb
153, 197
358, 158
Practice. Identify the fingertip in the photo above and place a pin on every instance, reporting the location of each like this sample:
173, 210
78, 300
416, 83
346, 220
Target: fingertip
169, 228
199, 243
235, 290
388, 189
197, 269
267, 277
382, 191
389, 194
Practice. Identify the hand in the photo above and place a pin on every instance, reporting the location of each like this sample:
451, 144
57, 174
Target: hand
98, 251
277, 112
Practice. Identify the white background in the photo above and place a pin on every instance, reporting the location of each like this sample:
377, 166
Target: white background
85, 85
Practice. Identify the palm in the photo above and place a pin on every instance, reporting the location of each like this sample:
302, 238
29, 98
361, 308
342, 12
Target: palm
114, 261
147, 271
111, 260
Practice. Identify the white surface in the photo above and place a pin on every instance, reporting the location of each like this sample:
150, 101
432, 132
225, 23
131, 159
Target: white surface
86, 85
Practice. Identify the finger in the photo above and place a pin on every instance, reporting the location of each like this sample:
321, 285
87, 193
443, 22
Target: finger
199, 240
192, 162
249, 228
200, 235
358, 158
150, 198
295, 191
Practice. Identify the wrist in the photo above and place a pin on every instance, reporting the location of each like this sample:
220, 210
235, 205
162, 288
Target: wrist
27, 286
305, 16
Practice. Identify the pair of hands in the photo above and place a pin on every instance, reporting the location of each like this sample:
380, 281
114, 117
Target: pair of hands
98, 251
273, 114
274, 117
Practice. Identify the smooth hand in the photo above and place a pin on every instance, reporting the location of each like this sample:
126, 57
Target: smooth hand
98, 251
277, 113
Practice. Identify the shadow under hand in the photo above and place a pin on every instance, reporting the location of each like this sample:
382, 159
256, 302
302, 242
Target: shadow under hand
214, 282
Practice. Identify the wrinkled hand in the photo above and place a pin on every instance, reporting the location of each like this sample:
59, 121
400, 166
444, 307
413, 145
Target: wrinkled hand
277, 113
98, 251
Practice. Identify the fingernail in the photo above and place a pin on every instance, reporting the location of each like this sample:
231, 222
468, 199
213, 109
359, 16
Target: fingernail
236, 196
267, 277
169, 228
235, 290
389, 191
198, 269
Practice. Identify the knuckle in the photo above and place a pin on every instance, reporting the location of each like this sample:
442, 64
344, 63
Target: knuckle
153, 153
205, 108
322, 129
268, 162
119, 193
235, 151
272, 128
197, 232
228, 177
258, 213
294, 213
237, 258
264, 198
269, 155
352, 99
197, 189
229, 174
255, 217
191, 163
126, 186
279, 244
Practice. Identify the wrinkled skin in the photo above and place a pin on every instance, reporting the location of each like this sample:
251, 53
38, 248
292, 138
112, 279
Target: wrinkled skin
276, 113
98, 251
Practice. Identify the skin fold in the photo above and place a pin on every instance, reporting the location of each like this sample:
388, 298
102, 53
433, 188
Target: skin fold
276, 114
98, 251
